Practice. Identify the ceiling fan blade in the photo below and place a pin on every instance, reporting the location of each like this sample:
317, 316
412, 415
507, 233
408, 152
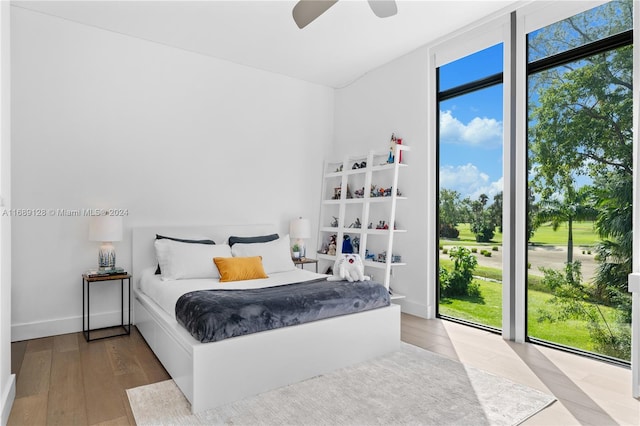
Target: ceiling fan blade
305, 11
383, 8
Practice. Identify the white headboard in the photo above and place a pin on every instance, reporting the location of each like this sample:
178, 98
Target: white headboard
143, 251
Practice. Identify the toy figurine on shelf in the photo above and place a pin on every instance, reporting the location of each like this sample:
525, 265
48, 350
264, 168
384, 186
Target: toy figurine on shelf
332, 245
356, 244
359, 193
349, 192
392, 149
369, 256
334, 222
370, 225
346, 245
337, 192
381, 225
356, 224
324, 249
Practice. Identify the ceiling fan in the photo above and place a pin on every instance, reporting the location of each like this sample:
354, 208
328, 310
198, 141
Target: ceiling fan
306, 11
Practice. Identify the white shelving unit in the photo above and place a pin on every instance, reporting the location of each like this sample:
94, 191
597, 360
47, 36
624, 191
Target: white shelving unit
341, 203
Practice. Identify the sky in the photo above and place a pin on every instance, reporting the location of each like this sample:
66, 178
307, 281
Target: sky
471, 127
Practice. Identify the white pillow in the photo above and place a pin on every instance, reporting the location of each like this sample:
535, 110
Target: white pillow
276, 254
183, 260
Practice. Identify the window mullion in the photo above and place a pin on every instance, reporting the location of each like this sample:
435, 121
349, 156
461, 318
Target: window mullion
519, 201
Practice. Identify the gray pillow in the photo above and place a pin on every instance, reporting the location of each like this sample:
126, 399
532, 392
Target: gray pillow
181, 240
248, 240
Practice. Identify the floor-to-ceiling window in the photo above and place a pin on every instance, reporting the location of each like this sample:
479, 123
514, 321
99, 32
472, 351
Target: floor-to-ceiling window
580, 147
470, 152
567, 125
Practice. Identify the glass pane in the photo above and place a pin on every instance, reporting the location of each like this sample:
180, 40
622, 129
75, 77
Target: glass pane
470, 208
580, 181
482, 64
592, 25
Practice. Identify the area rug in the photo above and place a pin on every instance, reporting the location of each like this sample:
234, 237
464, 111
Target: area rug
411, 386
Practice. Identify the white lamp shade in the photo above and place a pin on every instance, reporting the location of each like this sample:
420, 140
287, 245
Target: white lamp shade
105, 228
300, 228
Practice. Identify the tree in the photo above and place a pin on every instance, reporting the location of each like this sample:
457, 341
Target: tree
449, 213
482, 223
614, 224
459, 282
572, 299
581, 124
573, 206
532, 213
495, 210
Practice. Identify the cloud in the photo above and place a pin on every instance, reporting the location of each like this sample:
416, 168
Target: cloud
469, 181
484, 132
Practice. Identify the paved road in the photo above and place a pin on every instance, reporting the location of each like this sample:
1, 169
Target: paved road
540, 256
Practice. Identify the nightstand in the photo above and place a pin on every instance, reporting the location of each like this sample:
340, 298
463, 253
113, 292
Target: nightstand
305, 260
87, 282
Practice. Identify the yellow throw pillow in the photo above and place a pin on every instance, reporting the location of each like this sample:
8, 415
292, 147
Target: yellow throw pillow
240, 268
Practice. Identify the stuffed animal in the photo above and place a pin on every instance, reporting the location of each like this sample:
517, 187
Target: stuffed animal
348, 267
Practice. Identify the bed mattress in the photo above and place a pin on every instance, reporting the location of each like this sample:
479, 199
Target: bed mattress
167, 293
213, 315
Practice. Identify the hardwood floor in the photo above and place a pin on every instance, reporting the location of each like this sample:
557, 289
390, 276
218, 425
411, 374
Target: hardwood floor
67, 381
63, 380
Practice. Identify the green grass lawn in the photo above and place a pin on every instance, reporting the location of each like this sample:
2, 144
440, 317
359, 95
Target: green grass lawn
583, 235
533, 281
467, 237
487, 310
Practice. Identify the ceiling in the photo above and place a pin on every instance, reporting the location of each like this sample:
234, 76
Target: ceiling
344, 43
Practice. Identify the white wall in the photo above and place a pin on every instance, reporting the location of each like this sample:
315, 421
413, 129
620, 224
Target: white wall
400, 97
105, 120
7, 380
393, 99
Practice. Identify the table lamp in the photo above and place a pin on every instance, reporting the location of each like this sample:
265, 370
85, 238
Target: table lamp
299, 229
106, 229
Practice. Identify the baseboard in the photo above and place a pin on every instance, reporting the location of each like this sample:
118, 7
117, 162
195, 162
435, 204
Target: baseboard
35, 330
8, 396
413, 308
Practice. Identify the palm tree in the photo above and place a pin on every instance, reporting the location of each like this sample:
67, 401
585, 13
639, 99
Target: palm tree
573, 206
614, 225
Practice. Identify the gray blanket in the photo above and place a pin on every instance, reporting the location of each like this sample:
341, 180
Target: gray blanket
212, 315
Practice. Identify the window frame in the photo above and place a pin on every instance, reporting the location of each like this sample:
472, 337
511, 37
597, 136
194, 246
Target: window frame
606, 44
490, 33
511, 29
454, 92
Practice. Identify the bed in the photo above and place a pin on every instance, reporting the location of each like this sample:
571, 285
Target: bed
217, 373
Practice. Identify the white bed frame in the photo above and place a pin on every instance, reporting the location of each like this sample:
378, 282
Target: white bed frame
212, 374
